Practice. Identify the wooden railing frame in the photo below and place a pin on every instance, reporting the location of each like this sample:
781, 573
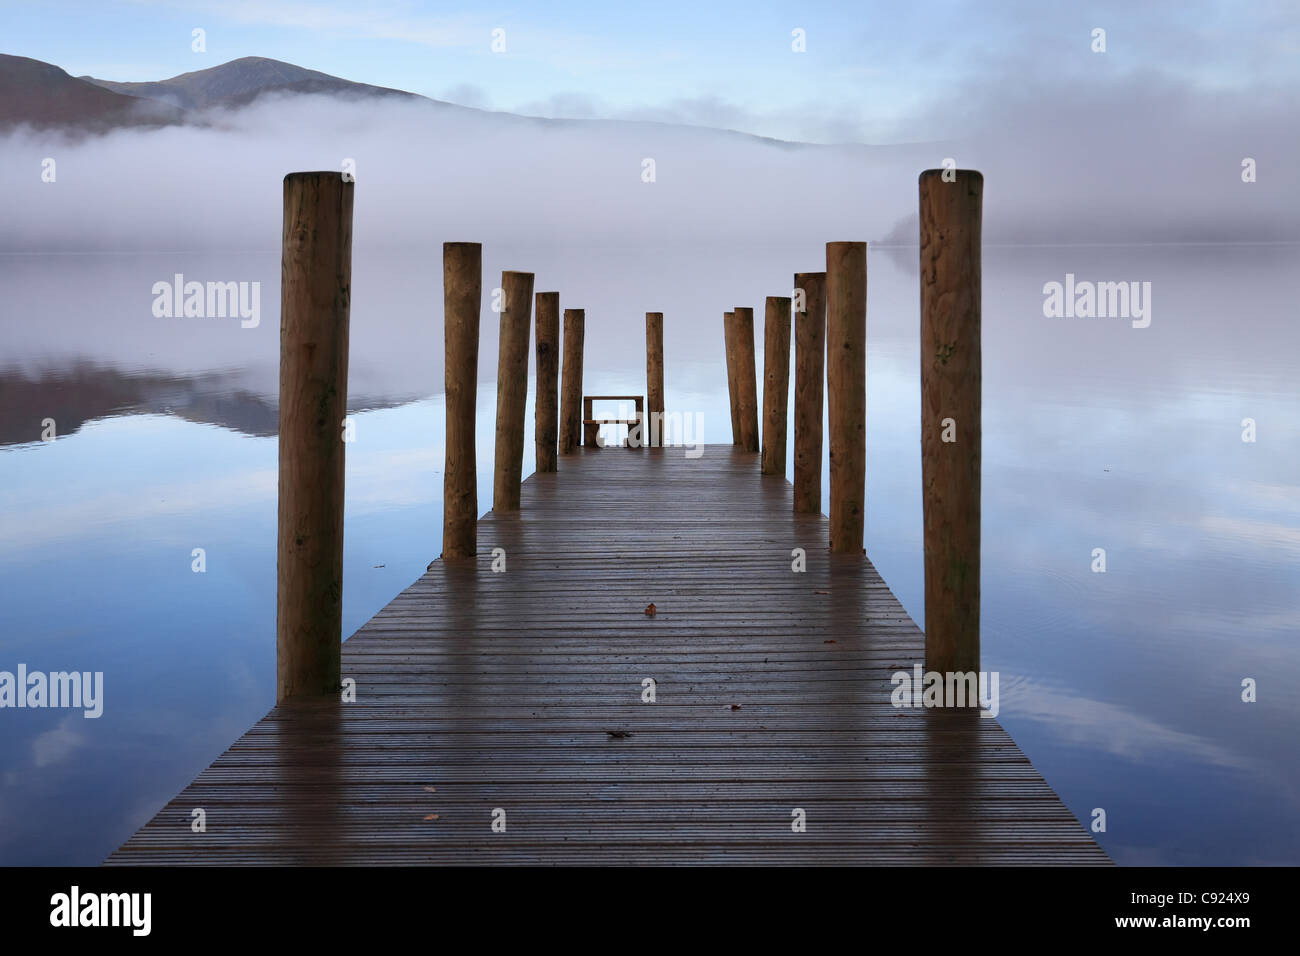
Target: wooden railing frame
591, 425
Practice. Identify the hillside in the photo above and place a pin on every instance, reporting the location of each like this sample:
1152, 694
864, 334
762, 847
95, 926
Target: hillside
43, 96
241, 81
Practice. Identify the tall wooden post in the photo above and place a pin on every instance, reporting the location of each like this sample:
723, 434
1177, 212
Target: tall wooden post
809, 379
462, 298
512, 388
746, 383
652, 424
315, 290
729, 339
776, 383
571, 381
548, 372
846, 386
951, 430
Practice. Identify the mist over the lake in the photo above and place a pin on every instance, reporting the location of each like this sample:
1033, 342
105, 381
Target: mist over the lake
1136, 162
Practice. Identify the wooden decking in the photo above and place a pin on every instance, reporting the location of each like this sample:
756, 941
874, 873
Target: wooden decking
479, 690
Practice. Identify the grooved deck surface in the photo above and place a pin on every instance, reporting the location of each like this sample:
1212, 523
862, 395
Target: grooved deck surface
499, 690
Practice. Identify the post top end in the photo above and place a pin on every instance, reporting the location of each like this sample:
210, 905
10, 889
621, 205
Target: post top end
317, 174
966, 175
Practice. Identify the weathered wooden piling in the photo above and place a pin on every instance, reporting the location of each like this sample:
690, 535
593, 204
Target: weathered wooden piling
512, 388
652, 425
462, 296
315, 291
809, 380
547, 411
951, 430
571, 381
729, 340
746, 383
846, 387
776, 383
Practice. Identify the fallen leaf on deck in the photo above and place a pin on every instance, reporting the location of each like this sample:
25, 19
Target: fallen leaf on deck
432, 816
735, 707
650, 610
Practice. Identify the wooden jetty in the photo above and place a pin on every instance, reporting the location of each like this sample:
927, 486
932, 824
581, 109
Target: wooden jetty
651, 654
522, 690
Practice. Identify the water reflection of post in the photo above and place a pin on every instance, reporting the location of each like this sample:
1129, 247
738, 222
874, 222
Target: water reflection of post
951, 759
463, 690
311, 778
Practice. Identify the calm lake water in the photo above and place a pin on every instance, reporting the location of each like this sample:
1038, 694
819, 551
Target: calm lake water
1123, 688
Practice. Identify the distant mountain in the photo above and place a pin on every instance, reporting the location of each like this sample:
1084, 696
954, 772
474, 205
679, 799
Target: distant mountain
241, 81
43, 96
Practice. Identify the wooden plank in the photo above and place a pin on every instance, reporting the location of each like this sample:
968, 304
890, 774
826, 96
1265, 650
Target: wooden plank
522, 691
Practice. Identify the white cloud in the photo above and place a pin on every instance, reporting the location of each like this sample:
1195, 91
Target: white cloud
57, 745
1109, 727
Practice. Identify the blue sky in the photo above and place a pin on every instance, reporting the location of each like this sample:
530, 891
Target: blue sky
872, 72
